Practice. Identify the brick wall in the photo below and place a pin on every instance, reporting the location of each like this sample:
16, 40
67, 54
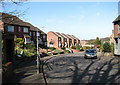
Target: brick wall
54, 38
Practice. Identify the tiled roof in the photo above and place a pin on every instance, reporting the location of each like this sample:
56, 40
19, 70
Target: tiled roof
70, 36
117, 19
60, 34
11, 19
65, 35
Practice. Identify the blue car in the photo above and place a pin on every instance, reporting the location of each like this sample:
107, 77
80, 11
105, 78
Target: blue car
91, 54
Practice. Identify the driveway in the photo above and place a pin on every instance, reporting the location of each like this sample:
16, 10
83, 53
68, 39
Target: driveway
73, 68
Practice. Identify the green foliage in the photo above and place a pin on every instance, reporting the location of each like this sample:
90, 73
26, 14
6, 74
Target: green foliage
18, 42
63, 48
97, 41
66, 51
29, 52
29, 46
77, 46
107, 47
52, 48
87, 47
81, 49
112, 47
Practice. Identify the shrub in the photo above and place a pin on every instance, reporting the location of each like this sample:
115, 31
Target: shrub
63, 48
107, 47
82, 49
112, 47
29, 46
52, 48
66, 51
77, 46
87, 47
18, 42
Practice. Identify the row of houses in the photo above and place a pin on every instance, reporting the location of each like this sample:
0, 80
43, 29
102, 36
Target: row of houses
57, 40
12, 26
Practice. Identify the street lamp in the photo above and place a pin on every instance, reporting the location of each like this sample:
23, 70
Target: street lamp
38, 59
38, 55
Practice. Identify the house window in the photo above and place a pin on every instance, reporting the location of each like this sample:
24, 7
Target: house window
30, 33
38, 34
45, 43
25, 29
51, 39
44, 36
10, 28
19, 29
33, 33
118, 29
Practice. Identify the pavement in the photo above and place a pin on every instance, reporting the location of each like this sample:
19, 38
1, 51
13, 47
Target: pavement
26, 73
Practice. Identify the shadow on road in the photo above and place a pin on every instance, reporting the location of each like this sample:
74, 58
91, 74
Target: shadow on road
105, 72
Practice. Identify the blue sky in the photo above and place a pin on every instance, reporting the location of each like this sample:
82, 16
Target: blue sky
85, 20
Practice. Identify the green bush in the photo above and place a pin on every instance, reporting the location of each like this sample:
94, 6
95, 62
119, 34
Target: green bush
18, 42
77, 46
52, 48
29, 46
106, 47
87, 47
66, 51
81, 49
63, 48
28, 52
112, 47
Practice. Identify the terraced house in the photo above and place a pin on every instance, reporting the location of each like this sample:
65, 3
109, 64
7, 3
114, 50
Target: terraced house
13, 26
57, 40
117, 36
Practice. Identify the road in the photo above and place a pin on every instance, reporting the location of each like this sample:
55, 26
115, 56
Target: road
73, 68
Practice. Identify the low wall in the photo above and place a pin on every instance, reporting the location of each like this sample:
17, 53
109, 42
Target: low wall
104, 54
8, 74
74, 50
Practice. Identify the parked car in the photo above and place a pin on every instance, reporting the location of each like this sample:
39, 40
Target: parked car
91, 53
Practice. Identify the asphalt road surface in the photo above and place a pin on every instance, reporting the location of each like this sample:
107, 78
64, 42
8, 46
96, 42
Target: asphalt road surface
73, 68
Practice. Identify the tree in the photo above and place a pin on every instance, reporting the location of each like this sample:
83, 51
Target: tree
97, 41
107, 47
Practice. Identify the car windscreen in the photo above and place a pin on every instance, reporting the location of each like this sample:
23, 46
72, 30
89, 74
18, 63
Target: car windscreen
90, 51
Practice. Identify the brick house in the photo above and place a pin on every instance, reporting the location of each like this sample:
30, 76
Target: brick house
73, 40
34, 32
77, 40
53, 40
117, 36
44, 40
69, 40
12, 26
56, 39
63, 39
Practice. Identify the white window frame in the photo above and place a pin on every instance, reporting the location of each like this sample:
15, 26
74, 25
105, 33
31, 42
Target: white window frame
38, 34
10, 28
19, 29
30, 33
33, 33
25, 30
118, 29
